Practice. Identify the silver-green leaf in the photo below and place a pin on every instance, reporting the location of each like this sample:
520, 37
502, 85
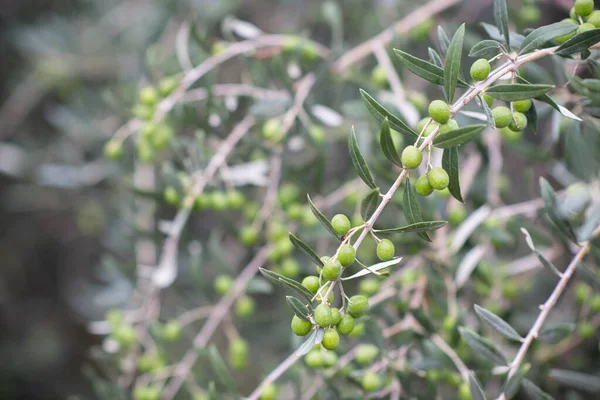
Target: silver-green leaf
501, 19
369, 204
497, 323
533, 391
482, 346
299, 308
551, 204
381, 114
452, 64
450, 165
475, 388
457, 136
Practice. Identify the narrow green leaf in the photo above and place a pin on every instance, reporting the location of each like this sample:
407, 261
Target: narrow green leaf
457, 136
513, 384
303, 247
486, 49
423, 319
380, 113
322, 218
595, 67
533, 392
501, 19
556, 333
532, 118
443, 40
545, 262
493, 32
435, 58
517, 91
411, 209
552, 206
452, 65
358, 161
546, 99
223, 375
592, 84
426, 226
424, 69
450, 165
387, 144
287, 282
489, 117
475, 388
540, 37
369, 204
373, 268
579, 43
298, 308
308, 343
588, 275
497, 323
578, 380
482, 346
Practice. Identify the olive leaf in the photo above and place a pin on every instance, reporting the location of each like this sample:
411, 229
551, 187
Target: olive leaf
308, 343
452, 64
387, 144
450, 165
369, 204
411, 209
579, 43
443, 40
501, 19
552, 206
425, 226
540, 37
381, 114
517, 91
457, 136
299, 308
322, 218
424, 69
373, 268
223, 375
533, 392
303, 247
546, 99
578, 380
556, 333
545, 262
358, 161
291, 284
475, 388
512, 384
486, 49
482, 346
497, 323
435, 58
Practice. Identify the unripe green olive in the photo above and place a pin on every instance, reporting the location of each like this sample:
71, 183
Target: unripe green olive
144, 150
171, 331
422, 123
358, 331
235, 199
422, 186
218, 200
438, 178
439, 111
371, 381
288, 193
358, 306
223, 284
290, 268
248, 235
464, 393
161, 138
418, 99
142, 111
457, 214
149, 362
244, 306
529, 14
480, 69
341, 224
449, 126
171, 196
329, 359
584, 7
238, 353
148, 96
522, 106
509, 135
586, 330
269, 392
272, 130
346, 255
314, 359
332, 270
379, 76
295, 212
366, 353
595, 304
368, 287
323, 315
518, 123
113, 149
564, 38
146, 393
594, 18
586, 26
167, 85
411, 157
311, 283
385, 250
346, 324
125, 335
331, 339
317, 133
336, 316
300, 326
502, 116
582, 293
489, 100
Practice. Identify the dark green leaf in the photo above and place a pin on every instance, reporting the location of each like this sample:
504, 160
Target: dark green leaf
588, 275
578, 380
303, 247
540, 37
592, 84
411, 209
501, 19
517, 91
546, 99
443, 40
452, 65
424, 69
426, 226
552, 206
308, 343
435, 58
532, 118
379, 112
358, 161
457, 136
556, 333
586, 231
545, 262
487, 111
475, 387
423, 320
387, 144
223, 375
579, 43
370, 204
533, 392
287, 282
595, 67
494, 33
482, 346
512, 385
322, 218
486, 49
450, 165
298, 308
497, 323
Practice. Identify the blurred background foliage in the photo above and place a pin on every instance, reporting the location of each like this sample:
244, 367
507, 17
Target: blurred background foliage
71, 71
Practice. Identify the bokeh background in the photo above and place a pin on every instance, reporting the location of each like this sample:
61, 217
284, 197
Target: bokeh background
67, 68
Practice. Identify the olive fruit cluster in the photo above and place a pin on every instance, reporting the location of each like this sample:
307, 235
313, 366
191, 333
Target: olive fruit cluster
584, 15
436, 179
511, 123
